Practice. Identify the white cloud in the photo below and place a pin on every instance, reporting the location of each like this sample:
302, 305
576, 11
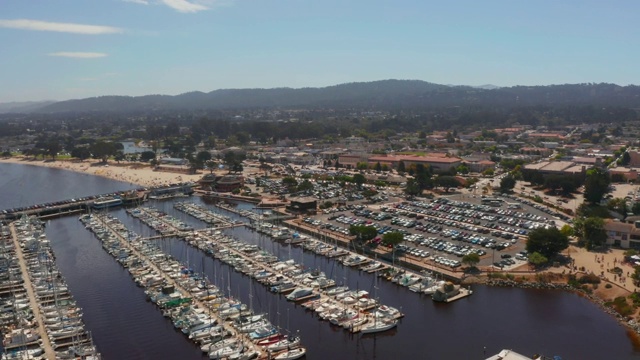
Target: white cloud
184, 6
78, 55
143, 2
27, 24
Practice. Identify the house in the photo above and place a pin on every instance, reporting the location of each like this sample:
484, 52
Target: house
634, 158
226, 183
628, 174
623, 234
173, 161
302, 205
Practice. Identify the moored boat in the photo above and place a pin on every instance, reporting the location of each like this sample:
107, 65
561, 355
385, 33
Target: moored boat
300, 293
292, 354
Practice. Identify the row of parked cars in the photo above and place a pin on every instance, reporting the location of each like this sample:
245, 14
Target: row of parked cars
419, 253
539, 207
517, 223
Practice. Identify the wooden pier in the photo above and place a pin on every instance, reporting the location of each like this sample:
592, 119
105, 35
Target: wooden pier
210, 310
46, 342
462, 294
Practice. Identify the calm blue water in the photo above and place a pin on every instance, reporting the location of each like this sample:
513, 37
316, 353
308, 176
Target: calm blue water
125, 326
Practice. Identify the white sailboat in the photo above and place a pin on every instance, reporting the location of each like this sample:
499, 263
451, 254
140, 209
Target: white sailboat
380, 322
292, 354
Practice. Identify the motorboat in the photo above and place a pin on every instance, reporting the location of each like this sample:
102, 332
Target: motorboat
263, 332
287, 343
300, 294
292, 354
337, 290
378, 325
271, 339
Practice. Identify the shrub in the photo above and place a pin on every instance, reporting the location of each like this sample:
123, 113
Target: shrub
608, 286
589, 279
621, 306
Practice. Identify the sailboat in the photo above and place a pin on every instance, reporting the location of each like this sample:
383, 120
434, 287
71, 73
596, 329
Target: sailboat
380, 322
287, 342
292, 354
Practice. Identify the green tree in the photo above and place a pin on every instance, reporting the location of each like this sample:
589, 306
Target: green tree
590, 231
119, 156
618, 205
359, 179
211, 165
596, 185
626, 158
471, 259
305, 185
636, 275
147, 155
378, 167
462, 169
538, 259
203, 156
507, 183
446, 182
363, 232
567, 230
237, 167
548, 242
413, 188
81, 152
401, 167
53, 147
635, 209
290, 182
103, 150
392, 238
488, 172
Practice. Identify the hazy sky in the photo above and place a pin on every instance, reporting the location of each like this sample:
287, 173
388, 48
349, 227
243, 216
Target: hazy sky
66, 49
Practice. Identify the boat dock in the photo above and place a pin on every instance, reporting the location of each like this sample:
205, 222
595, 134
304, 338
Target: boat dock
46, 342
133, 248
464, 292
82, 205
243, 258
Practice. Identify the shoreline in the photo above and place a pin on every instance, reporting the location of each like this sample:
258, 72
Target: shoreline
143, 175
627, 322
133, 173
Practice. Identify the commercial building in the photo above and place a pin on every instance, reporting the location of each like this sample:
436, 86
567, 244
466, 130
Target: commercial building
438, 164
623, 234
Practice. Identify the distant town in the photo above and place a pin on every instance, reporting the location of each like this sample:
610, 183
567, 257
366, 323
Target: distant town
544, 200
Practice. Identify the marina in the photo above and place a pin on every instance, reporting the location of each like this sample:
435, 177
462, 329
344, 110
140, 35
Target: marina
198, 308
124, 326
267, 269
51, 325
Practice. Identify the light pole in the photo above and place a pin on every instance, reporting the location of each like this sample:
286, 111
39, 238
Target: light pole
493, 256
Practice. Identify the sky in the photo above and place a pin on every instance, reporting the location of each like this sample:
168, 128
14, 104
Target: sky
69, 49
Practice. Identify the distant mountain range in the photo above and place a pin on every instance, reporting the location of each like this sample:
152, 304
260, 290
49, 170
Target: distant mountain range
375, 95
23, 107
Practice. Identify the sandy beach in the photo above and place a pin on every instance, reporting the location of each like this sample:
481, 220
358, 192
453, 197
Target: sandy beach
134, 173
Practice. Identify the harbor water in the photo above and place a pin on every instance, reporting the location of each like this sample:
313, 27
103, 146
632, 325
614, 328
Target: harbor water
126, 326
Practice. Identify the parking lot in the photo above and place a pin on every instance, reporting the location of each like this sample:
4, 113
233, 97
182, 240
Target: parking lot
443, 230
